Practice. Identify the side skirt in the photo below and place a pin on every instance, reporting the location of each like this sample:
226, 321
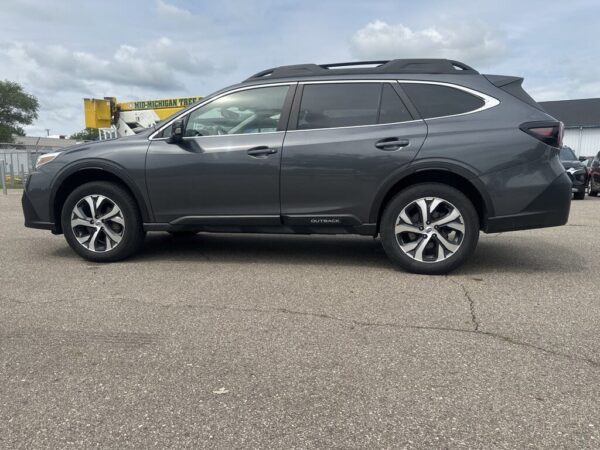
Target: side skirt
291, 224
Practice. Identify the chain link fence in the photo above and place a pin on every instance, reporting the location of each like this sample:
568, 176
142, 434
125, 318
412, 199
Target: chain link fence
18, 160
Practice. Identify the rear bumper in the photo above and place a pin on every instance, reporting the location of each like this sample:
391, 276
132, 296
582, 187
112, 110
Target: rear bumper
549, 209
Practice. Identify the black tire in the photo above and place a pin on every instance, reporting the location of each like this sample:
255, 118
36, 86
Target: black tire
393, 209
133, 232
593, 193
579, 195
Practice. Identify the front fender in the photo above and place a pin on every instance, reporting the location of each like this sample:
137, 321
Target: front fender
109, 167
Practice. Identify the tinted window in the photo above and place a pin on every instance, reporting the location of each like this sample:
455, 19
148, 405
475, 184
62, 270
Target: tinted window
339, 105
392, 108
436, 101
566, 154
250, 111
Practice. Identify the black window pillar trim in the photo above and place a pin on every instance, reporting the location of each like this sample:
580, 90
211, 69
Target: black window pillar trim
287, 107
295, 109
406, 100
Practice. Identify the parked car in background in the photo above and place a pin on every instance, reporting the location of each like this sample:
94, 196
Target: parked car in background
425, 153
587, 163
576, 170
594, 176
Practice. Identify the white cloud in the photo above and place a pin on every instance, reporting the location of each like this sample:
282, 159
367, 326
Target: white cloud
169, 10
472, 44
60, 76
155, 65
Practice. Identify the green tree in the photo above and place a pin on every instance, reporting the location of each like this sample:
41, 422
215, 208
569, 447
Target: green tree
87, 134
17, 108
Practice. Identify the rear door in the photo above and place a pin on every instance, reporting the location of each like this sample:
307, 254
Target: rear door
344, 139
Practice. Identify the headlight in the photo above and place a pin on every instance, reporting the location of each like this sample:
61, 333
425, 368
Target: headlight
45, 159
573, 170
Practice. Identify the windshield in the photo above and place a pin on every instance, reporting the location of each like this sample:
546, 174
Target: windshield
566, 154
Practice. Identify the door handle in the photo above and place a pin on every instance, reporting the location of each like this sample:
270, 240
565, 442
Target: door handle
391, 143
261, 150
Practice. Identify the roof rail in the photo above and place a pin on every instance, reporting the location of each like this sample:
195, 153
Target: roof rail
429, 66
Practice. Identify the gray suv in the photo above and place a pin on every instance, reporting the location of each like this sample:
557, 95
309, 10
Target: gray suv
423, 152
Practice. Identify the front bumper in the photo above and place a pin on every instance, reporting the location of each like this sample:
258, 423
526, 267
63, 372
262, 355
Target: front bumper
36, 203
32, 219
578, 179
551, 208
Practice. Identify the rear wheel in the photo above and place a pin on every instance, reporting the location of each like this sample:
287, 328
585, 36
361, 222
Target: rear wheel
429, 228
594, 193
101, 222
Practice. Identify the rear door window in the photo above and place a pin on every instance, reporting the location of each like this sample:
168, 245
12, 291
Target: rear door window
339, 105
350, 104
392, 108
433, 100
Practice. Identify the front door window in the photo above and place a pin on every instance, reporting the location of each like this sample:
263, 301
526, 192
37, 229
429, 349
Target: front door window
244, 112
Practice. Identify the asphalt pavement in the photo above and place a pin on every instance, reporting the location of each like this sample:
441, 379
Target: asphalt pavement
254, 341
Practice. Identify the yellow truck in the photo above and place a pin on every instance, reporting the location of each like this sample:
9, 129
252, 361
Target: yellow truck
115, 119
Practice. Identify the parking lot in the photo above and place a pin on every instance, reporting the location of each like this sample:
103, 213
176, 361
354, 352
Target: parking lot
232, 341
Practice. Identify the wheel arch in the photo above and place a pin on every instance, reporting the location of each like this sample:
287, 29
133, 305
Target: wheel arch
458, 177
74, 176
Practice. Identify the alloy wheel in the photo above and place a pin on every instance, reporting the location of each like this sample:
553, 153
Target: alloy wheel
97, 223
430, 229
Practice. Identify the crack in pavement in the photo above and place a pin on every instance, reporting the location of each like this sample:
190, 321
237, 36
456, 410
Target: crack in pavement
497, 336
471, 302
353, 322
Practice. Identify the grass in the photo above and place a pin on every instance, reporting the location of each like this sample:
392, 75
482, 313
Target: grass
17, 183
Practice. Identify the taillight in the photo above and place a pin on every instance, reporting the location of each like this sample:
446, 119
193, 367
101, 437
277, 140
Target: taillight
550, 133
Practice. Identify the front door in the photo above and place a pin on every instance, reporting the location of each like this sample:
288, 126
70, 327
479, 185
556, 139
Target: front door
227, 167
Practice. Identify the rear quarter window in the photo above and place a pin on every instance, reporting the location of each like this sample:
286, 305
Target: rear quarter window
433, 100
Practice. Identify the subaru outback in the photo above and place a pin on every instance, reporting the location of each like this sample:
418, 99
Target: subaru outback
424, 153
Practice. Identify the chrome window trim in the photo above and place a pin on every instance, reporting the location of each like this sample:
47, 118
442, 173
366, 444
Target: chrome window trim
488, 102
356, 126
185, 138
207, 101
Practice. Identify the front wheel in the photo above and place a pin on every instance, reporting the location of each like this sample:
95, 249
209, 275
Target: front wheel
429, 228
101, 222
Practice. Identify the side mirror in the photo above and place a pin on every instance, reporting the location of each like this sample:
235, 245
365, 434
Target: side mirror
176, 131
582, 158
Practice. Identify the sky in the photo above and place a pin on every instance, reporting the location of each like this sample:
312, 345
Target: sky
63, 51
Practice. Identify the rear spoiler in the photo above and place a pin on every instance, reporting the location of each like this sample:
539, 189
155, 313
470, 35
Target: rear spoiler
513, 86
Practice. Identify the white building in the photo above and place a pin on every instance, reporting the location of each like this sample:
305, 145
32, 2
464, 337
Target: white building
582, 123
